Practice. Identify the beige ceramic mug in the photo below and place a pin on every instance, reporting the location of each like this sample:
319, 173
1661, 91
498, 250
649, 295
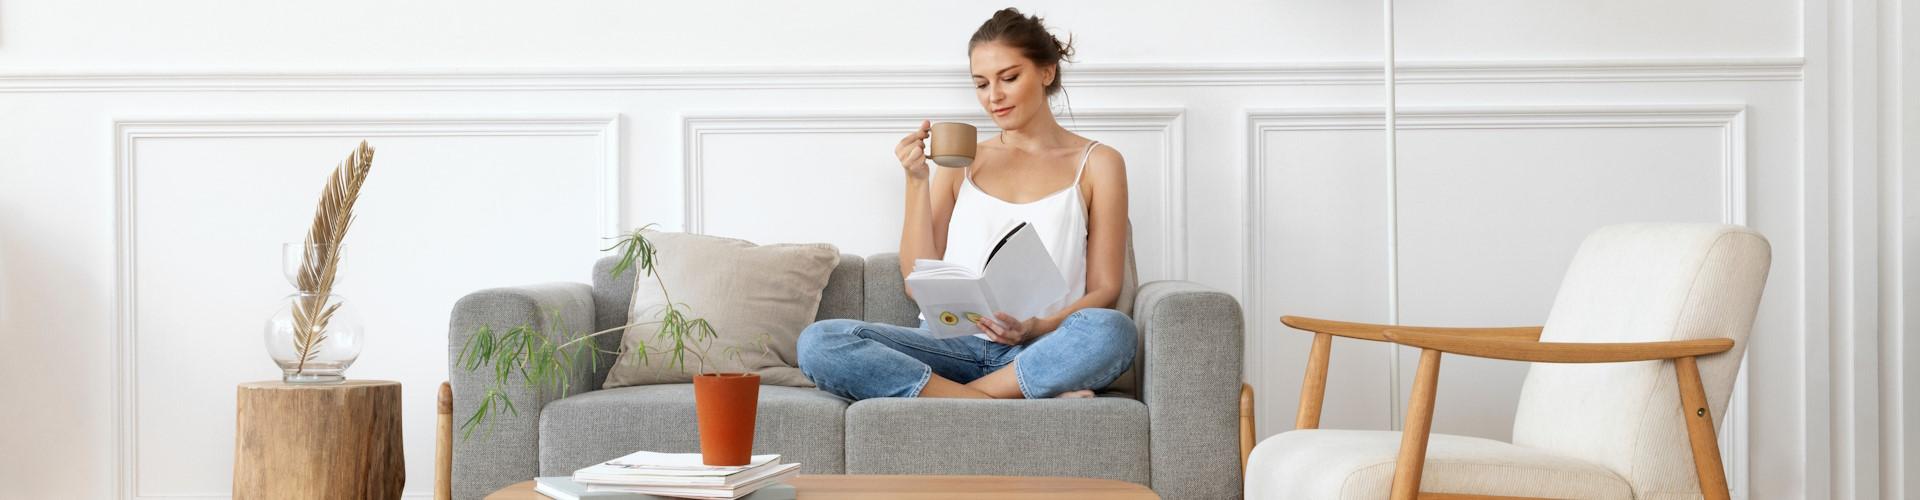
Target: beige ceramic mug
953, 144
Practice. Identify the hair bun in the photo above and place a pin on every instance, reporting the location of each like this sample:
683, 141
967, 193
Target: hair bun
1028, 34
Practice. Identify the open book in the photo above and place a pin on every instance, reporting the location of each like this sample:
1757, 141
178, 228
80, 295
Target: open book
1019, 278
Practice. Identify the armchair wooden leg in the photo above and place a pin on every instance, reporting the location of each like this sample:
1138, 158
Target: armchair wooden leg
1706, 449
1413, 437
1246, 425
1313, 388
443, 446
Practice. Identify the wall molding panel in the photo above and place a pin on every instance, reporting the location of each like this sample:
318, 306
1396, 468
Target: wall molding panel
129, 133
895, 77
1170, 123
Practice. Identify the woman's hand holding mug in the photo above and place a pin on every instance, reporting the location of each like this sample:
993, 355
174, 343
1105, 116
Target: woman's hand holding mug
912, 152
953, 146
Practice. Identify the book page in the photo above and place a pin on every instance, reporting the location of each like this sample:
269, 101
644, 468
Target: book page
951, 304
1021, 275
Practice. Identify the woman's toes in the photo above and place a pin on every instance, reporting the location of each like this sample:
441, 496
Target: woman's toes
1083, 393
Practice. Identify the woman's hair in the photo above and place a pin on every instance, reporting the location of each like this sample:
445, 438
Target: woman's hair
1026, 33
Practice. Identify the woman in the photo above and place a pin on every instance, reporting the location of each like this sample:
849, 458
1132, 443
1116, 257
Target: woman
1071, 189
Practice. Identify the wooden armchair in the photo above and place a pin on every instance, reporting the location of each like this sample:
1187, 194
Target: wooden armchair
1602, 413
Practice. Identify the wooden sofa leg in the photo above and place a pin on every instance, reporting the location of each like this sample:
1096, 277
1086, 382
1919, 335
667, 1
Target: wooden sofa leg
1246, 425
1706, 449
443, 446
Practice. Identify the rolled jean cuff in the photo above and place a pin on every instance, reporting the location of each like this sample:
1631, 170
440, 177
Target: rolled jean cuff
926, 375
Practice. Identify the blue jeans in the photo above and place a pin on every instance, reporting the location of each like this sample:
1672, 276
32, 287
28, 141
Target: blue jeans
859, 360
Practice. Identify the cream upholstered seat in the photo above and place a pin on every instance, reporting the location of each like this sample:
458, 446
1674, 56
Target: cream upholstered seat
1350, 464
1627, 381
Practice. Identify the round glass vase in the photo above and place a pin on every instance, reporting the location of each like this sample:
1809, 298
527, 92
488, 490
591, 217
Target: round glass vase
293, 260
314, 338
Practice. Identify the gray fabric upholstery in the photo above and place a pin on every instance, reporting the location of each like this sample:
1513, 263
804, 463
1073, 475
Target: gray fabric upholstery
887, 300
846, 294
1180, 436
803, 425
611, 295
1129, 381
1129, 279
1191, 385
501, 453
1101, 437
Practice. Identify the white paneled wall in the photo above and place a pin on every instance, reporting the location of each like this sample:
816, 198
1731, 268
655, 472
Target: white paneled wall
736, 186
155, 154
201, 197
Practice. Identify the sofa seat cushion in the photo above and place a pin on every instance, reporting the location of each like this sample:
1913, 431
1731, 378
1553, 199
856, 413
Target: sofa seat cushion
1350, 464
1104, 437
803, 425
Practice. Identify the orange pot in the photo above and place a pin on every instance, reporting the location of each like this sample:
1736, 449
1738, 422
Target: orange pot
725, 404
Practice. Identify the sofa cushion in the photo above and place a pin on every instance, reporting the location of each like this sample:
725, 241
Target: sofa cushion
802, 425
756, 297
1352, 464
1103, 437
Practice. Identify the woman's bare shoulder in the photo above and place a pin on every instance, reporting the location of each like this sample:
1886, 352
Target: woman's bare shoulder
1105, 161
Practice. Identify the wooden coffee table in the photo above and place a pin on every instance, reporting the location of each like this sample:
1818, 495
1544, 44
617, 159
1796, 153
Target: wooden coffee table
876, 487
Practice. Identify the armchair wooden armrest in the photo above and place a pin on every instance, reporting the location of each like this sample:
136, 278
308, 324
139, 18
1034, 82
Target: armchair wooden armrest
1508, 343
1693, 396
1377, 333
1313, 389
1557, 352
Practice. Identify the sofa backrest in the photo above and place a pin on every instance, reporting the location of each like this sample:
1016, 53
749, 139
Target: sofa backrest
868, 289
846, 294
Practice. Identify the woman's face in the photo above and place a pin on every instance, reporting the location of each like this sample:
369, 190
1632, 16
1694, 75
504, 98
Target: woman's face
1010, 88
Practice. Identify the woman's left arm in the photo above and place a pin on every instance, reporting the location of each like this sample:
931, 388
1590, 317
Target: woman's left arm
1105, 187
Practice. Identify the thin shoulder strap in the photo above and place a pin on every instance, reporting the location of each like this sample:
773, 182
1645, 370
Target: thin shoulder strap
1083, 162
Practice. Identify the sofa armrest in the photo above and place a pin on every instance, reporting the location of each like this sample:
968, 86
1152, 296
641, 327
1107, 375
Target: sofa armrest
1193, 336
505, 449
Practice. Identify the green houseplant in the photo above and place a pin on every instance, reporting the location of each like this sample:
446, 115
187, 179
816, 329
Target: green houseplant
725, 403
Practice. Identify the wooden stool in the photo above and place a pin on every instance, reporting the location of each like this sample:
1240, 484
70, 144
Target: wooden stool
318, 441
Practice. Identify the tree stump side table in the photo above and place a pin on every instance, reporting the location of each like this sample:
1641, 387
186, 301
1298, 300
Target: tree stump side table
294, 441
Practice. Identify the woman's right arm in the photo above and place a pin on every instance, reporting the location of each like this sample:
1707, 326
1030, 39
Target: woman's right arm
929, 203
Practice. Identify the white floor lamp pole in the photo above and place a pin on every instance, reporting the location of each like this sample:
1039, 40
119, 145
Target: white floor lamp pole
1393, 218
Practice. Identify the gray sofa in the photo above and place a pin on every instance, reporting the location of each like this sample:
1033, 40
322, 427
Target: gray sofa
1171, 423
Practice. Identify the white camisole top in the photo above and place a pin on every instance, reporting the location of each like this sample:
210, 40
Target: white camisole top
1059, 218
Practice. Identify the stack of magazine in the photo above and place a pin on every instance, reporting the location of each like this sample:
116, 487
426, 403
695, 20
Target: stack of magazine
647, 474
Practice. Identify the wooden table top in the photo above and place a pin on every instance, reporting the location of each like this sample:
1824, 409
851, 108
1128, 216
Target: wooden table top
876, 487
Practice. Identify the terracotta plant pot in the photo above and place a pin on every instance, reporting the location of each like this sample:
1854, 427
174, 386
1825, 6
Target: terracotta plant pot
725, 404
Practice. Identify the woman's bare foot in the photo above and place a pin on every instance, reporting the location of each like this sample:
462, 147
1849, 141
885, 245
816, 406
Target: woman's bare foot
1083, 393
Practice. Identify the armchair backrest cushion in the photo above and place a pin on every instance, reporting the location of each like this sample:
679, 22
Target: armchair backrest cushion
1643, 283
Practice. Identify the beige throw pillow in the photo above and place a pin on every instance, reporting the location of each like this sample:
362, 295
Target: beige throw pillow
743, 290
